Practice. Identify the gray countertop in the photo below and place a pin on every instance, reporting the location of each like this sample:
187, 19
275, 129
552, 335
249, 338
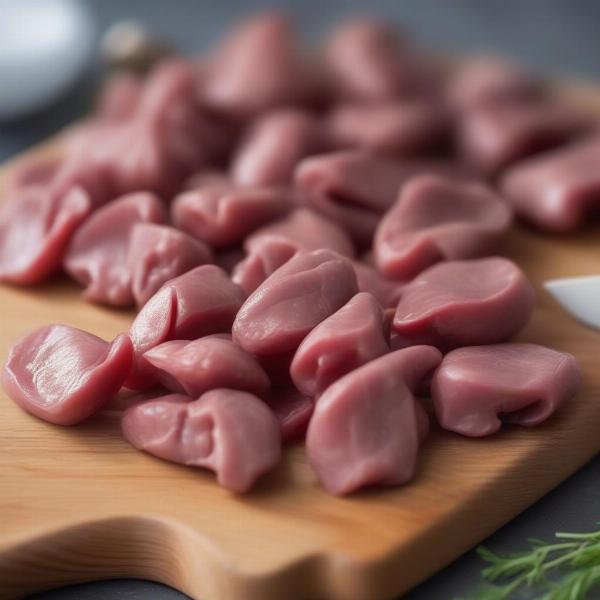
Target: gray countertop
552, 35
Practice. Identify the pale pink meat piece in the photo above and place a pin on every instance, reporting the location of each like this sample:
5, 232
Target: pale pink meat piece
462, 303
119, 97
493, 136
274, 145
208, 363
197, 303
230, 432
436, 219
490, 80
556, 190
97, 254
64, 375
293, 411
367, 426
222, 214
158, 253
35, 230
266, 257
293, 300
476, 389
355, 188
274, 244
401, 128
387, 292
369, 61
349, 338
31, 173
257, 68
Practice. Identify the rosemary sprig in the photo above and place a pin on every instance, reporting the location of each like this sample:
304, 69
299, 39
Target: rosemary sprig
566, 570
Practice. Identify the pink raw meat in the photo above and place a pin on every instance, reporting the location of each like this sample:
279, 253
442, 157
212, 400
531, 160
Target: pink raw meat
436, 219
462, 303
158, 253
403, 128
35, 230
355, 188
349, 338
64, 375
97, 255
369, 62
490, 80
475, 389
207, 363
222, 214
257, 68
556, 190
273, 146
274, 244
197, 303
493, 136
32, 173
367, 426
386, 292
230, 432
293, 300
119, 97
293, 411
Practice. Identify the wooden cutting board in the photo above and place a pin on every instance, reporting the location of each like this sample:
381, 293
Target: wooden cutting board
79, 504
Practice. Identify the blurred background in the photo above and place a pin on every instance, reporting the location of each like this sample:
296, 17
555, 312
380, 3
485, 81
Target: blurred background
554, 36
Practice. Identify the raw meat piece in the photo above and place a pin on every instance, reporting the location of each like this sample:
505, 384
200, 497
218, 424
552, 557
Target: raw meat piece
293, 411
207, 363
119, 97
274, 244
355, 188
369, 61
369, 280
436, 219
366, 427
493, 136
197, 303
475, 389
64, 375
462, 303
349, 338
491, 80
293, 300
556, 190
33, 173
303, 229
402, 128
222, 214
274, 145
158, 253
257, 68
35, 230
97, 255
230, 432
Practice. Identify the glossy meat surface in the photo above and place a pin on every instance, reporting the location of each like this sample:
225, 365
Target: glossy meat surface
293, 300
366, 428
349, 338
208, 363
476, 389
64, 375
436, 219
461, 303
230, 432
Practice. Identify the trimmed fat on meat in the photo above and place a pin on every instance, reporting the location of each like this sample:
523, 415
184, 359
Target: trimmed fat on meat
230, 432
475, 389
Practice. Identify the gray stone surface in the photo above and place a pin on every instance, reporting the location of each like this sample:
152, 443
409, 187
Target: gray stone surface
551, 35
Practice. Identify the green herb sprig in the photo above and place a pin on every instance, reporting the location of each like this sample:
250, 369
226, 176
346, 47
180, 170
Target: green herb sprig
566, 570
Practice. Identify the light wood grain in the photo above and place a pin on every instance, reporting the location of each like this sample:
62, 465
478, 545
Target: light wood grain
79, 504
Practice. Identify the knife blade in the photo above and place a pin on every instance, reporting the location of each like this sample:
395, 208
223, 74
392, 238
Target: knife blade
580, 296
